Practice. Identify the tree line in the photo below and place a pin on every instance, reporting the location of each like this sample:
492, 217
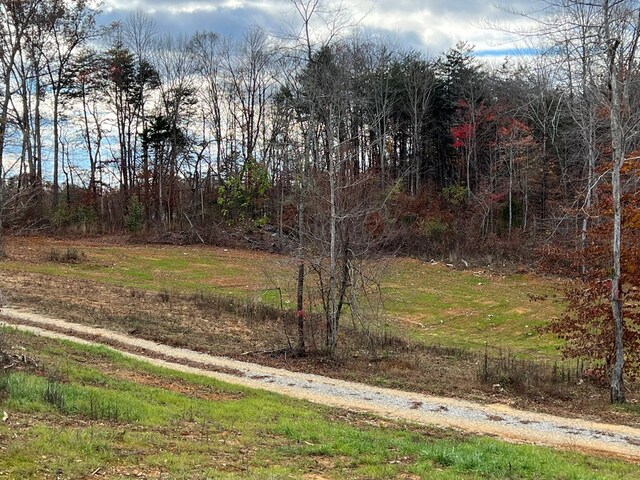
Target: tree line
343, 146
213, 129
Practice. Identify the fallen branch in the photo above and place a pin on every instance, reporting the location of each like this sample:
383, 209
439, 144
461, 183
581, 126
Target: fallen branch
193, 228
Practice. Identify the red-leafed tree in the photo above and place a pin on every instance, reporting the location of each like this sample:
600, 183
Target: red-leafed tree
461, 135
517, 149
470, 139
588, 325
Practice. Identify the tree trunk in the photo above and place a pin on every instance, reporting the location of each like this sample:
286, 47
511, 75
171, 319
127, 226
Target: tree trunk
591, 166
56, 148
6, 97
332, 301
300, 346
617, 371
617, 147
37, 120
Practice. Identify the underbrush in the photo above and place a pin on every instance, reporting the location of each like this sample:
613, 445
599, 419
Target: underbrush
534, 379
496, 371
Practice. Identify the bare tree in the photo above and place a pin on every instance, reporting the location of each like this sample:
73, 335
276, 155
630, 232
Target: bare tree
339, 201
602, 38
15, 18
205, 49
88, 88
139, 35
620, 36
316, 26
418, 83
170, 125
381, 103
248, 66
70, 25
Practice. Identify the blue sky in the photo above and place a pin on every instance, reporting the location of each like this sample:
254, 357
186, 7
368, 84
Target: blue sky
432, 26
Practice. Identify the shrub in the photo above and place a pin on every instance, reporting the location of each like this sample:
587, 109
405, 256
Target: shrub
70, 255
435, 229
61, 216
456, 195
80, 217
134, 220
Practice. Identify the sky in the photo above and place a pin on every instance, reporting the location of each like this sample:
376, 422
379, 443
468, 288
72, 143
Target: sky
431, 26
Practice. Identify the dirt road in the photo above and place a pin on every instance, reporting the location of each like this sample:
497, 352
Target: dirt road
496, 420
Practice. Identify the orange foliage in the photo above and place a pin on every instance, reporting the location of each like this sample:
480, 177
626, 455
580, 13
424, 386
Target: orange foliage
587, 324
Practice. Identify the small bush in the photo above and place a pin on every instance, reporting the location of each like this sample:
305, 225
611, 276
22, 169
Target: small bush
134, 220
70, 255
455, 195
61, 216
85, 216
78, 217
435, 229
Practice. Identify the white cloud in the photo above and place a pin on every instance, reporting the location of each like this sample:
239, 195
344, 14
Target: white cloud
434, 25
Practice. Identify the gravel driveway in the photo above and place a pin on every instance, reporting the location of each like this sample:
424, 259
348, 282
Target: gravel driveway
495, 419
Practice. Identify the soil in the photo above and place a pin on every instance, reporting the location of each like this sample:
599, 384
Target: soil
190, 322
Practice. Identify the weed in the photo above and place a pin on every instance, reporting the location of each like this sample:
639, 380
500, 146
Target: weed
4, 385
252, 311
529, 377
54, 394
376, 341
100, 409
3, 355
136, 293
164, 296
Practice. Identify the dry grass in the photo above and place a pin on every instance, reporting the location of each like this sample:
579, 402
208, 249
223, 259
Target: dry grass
241, 326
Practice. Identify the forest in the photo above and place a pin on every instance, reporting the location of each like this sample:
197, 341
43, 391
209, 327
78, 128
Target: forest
335, 146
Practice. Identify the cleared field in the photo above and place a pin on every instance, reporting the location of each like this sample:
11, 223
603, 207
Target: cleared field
471, 308
431, 303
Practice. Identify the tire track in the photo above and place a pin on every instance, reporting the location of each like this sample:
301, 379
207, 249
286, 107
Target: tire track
496, 420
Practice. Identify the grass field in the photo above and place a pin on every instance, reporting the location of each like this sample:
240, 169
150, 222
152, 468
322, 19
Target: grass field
469, 309
87, 411
430, 303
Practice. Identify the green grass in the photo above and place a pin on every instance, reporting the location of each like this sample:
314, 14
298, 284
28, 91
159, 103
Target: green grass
440, 305
156, 268
229, 432
463, 309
